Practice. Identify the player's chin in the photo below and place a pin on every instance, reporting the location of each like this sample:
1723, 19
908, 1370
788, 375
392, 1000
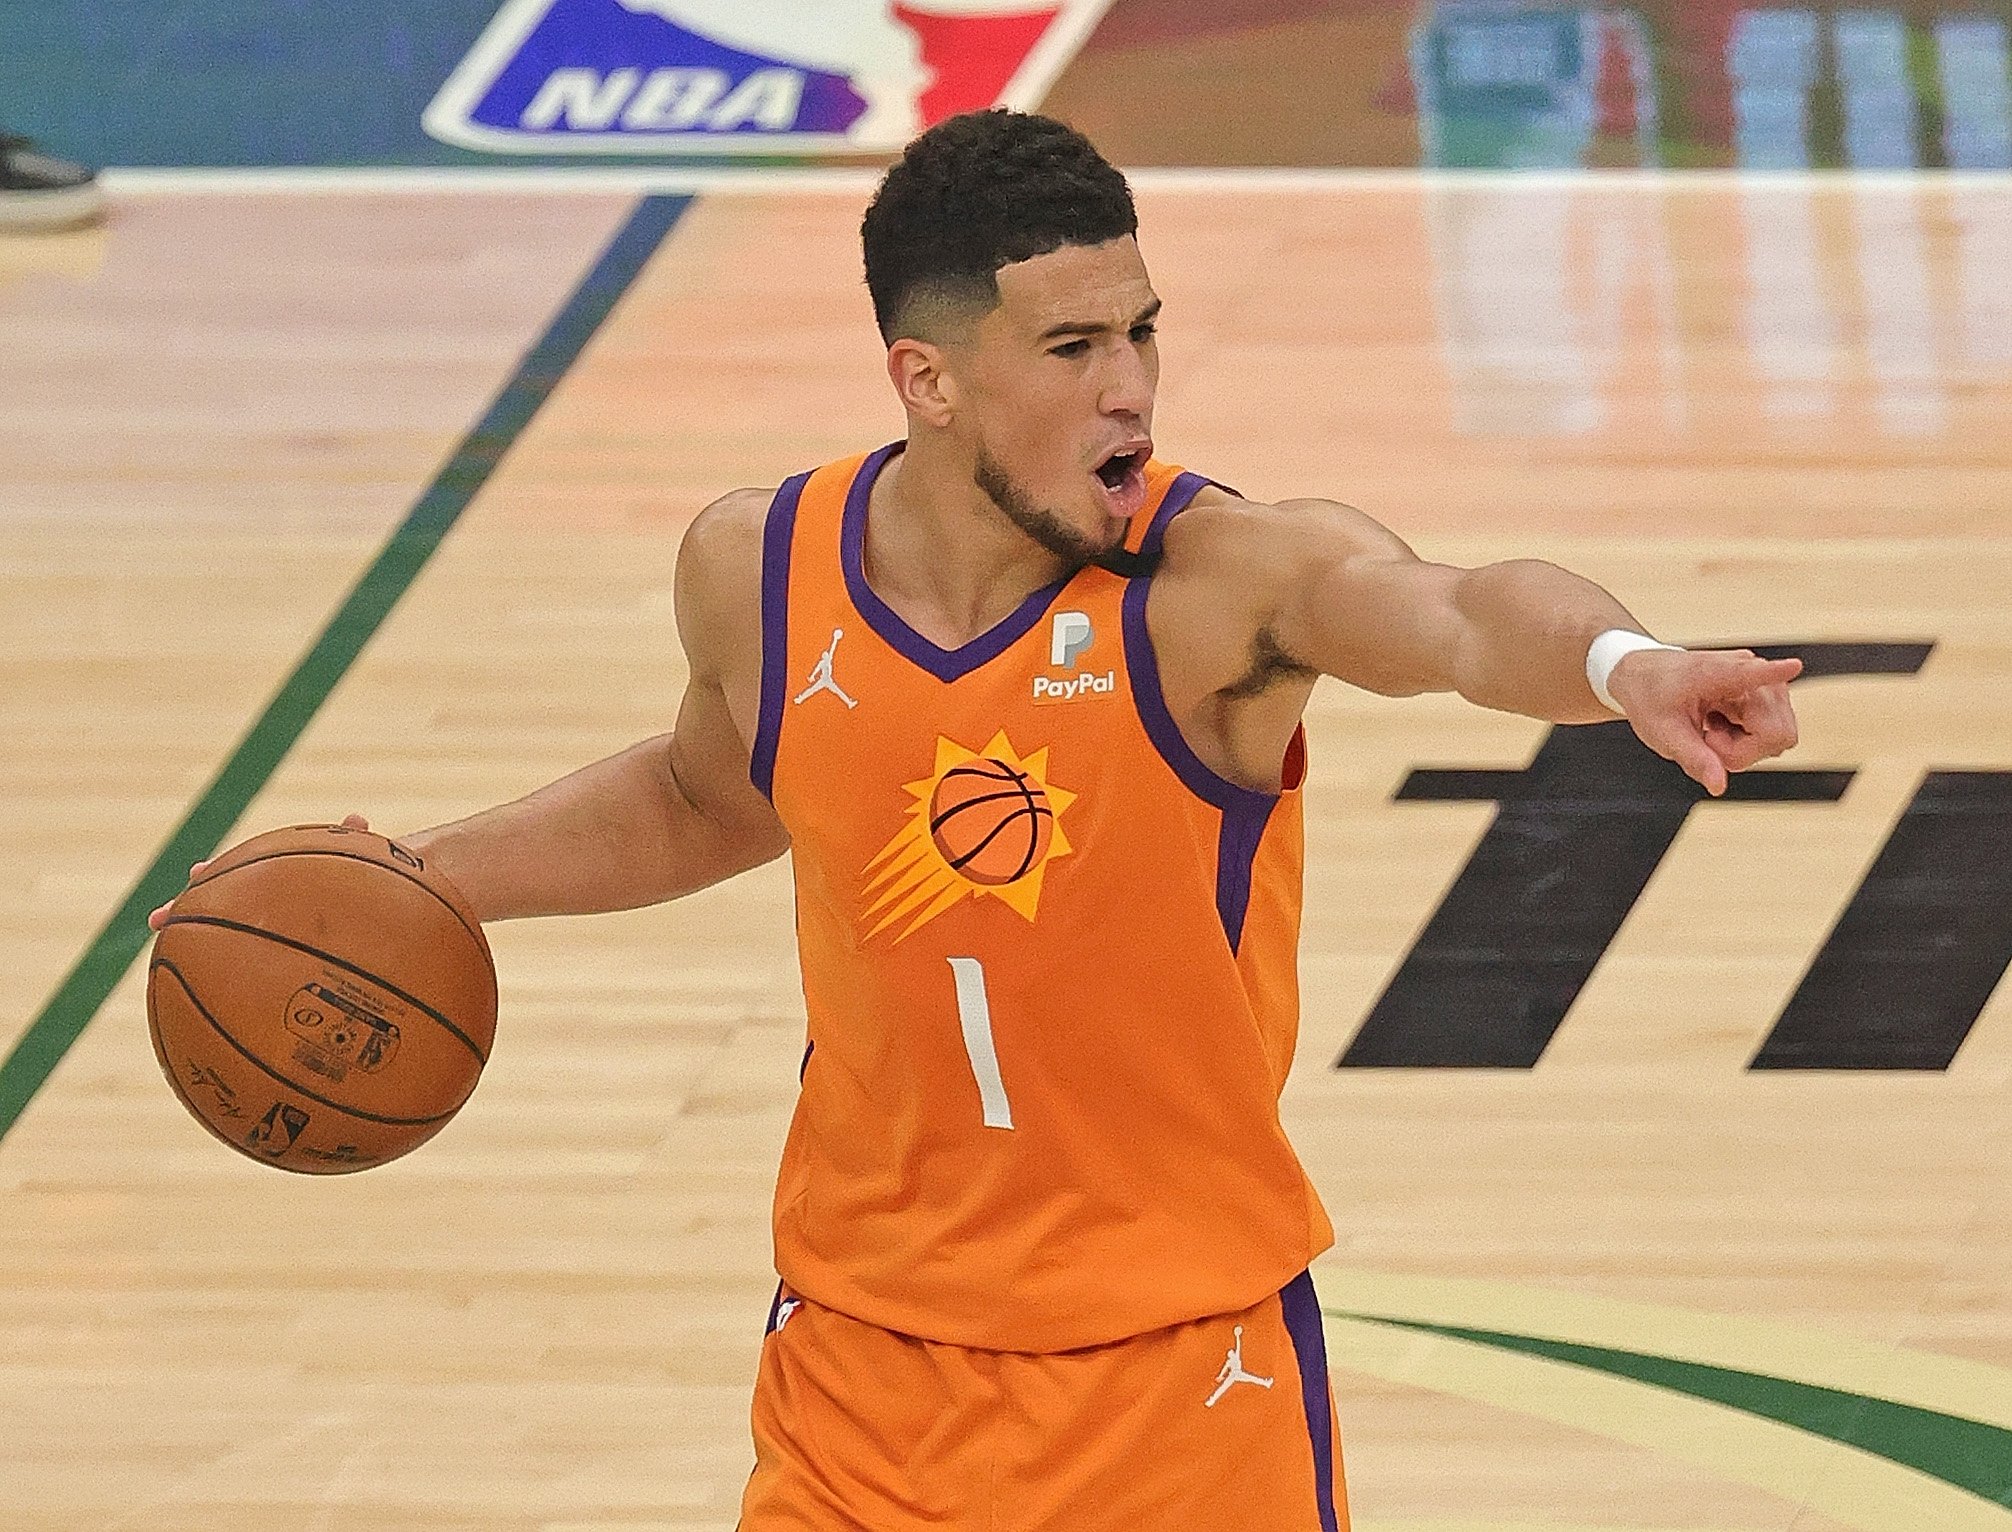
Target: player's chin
1105, 535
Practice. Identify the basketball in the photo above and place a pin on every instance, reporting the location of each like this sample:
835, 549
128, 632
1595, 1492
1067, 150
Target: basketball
990, 822
321, 1000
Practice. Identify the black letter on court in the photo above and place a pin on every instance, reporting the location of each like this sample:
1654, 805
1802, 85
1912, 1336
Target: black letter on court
1911, 962
1576, 838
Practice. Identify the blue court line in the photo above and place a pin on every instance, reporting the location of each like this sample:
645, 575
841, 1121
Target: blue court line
63, 1019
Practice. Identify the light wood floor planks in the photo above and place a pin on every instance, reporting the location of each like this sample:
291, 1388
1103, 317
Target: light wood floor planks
1779, 412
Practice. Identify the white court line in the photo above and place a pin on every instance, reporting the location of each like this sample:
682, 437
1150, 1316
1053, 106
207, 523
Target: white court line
515, 180
853, 181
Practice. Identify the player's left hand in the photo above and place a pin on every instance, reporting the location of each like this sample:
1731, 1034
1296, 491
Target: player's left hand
1712, 711
159, 917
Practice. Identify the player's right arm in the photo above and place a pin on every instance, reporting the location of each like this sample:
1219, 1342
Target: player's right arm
666, 817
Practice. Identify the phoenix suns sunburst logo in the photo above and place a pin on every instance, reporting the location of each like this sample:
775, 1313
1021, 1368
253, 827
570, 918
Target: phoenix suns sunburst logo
983, 822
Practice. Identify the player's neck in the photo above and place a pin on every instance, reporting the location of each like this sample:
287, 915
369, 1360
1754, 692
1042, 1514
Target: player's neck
940, 552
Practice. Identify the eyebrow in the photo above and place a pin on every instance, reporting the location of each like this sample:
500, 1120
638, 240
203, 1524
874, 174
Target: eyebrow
1146, 316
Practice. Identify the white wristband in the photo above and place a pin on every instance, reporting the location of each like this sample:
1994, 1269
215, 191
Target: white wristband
1608, 650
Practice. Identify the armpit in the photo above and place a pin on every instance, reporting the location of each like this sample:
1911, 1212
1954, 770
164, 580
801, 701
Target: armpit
1269, 666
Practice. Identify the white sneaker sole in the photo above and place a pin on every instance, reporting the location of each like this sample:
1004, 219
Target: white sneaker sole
56, 209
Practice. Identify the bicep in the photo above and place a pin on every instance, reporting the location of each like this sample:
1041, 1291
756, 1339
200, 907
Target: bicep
708, 762
1356, 603
718, 598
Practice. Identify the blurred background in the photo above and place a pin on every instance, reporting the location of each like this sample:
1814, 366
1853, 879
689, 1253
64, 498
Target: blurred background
1468, 83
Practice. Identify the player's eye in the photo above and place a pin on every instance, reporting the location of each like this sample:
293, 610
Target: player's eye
1071, 348
1141, 333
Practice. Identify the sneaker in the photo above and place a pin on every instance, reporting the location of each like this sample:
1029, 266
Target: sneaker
39, 192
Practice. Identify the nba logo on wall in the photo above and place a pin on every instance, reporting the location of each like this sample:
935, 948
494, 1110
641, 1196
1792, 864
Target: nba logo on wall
748, 76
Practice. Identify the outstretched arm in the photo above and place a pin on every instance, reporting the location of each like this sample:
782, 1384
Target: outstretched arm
653, 823
663, 818
1356, 603
666, 817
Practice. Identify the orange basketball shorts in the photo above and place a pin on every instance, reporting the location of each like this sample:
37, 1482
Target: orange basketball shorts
1219, 1423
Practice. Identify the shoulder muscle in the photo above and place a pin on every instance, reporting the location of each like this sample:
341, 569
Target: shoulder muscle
718, 592
1326, 586
1261, 564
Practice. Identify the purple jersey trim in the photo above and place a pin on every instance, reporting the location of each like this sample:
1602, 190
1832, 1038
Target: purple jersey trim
1236, 853
1245, 812
778, 532
944, 664
1302, 1322
1179, 495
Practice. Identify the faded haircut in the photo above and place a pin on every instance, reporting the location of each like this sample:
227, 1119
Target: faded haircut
975, 193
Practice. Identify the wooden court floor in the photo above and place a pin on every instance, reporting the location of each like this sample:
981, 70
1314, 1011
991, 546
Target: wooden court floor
1638, 1285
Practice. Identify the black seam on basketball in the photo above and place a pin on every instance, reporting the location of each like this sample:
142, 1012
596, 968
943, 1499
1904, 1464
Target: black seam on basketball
1033, 845
174, 1080
975, 769
1022, 794
239, 1144
298, 1089
236, 1144
1033, 840
329, 957
348, 856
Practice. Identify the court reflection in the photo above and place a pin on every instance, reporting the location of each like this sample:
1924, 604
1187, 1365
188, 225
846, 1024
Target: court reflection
1768, 312
1496, 84
1776, 87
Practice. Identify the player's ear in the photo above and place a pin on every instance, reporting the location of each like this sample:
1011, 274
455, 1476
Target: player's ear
917, 371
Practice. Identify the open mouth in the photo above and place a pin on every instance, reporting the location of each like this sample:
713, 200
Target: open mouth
1120, 466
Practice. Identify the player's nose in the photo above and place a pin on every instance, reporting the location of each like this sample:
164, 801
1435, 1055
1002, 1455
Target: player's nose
1128, 387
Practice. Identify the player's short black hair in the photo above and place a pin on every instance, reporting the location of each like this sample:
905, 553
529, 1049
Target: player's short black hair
978, 192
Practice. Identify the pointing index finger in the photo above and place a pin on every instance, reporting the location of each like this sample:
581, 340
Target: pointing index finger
1752, 671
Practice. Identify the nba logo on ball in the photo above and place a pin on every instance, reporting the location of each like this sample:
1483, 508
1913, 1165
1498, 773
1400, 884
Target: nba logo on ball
748, 76
277, 1130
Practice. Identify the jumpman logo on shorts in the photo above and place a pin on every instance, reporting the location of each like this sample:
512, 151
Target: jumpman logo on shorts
820, 678
1233, 1372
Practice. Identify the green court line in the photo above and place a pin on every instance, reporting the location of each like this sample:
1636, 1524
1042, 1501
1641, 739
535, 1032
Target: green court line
1971, 1455
300, 697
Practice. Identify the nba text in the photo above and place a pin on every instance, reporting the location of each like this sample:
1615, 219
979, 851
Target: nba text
666, 100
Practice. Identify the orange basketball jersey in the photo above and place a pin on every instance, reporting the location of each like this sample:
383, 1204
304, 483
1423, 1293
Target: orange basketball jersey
1049, 960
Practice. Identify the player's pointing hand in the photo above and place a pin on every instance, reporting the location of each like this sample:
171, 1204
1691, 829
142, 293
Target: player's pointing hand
1712, 711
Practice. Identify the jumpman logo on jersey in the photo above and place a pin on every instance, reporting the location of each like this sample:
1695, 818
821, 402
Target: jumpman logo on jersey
1233, 1372
820, 678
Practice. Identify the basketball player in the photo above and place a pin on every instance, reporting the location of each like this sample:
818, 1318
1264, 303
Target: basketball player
1044, 812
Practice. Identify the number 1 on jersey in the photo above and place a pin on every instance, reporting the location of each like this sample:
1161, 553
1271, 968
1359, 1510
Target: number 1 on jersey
974, 1010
